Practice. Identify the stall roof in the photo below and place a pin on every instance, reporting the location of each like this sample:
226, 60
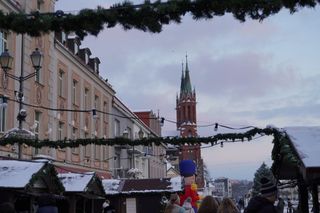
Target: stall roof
17, 174
75, 182
127, 186
306, 141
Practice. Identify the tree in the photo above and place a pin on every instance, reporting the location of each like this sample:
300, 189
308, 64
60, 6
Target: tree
206, 174
263, 171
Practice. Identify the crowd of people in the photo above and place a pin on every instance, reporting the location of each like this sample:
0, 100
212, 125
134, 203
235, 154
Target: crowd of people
209, 204
263, 203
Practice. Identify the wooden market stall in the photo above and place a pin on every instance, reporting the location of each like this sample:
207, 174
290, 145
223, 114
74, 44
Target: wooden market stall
296, 156
140, 195
23, 182
84, 192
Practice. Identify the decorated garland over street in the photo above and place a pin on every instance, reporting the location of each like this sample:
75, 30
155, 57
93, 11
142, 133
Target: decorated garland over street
214, 140
282, 150
148, 16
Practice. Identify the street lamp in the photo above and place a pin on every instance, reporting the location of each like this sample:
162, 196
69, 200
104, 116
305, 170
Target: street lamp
6, 61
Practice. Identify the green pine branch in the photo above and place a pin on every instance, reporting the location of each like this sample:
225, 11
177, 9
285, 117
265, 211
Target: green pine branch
148, 17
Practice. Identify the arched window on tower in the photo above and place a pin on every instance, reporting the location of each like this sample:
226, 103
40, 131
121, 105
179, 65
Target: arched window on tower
189, 134
193, 114
189, 114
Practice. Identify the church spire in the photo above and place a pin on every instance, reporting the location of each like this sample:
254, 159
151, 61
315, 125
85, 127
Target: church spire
182, 81
187, 81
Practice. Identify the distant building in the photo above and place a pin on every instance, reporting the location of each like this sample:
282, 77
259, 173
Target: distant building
223, 187
187, 123
156, 154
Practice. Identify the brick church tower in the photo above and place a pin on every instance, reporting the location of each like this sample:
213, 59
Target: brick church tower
187, 122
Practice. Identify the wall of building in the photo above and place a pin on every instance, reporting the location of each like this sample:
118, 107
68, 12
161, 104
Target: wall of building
69, 81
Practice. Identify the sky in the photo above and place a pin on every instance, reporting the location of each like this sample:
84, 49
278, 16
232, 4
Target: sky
244, 73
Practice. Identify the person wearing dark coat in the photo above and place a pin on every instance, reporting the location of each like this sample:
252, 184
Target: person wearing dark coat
47, 204
264, 203
7, 207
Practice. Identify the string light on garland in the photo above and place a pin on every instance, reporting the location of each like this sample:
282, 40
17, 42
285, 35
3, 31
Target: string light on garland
94, 114
216, 126
148, 17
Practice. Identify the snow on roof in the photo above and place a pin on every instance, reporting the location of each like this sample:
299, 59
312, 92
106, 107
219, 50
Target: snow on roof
176, 183
307, 142
19, 133
17, 174
111, 186
169, 165
75, 182
45, 157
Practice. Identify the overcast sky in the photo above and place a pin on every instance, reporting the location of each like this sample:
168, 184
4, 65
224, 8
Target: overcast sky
252, 73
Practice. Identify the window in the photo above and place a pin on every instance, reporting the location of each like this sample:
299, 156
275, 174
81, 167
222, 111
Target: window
86, 58
60, 131
105, 130
3, 41
74, 91
39, 4
74, 136
105, 110
86, 98
105, 152
96, 67
74, 133
37, 116
129, 133
87, 148
76, 47
63, 37
60, 83
96, 102
3, 118
97, 151
116, 128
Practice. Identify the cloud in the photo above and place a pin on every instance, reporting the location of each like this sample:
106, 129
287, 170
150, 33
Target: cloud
251, 73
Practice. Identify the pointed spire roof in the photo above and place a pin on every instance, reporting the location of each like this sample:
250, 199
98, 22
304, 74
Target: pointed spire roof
187, 81
182, 81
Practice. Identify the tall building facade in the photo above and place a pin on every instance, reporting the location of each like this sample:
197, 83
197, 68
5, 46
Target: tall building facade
187, 122
70, 81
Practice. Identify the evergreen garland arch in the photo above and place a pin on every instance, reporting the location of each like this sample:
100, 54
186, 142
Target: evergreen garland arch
148, 17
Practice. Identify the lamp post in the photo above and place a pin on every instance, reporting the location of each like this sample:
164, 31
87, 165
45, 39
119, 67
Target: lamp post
6, 61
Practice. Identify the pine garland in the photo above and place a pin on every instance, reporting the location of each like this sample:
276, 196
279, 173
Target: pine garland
227, 137
148, 17
282, 150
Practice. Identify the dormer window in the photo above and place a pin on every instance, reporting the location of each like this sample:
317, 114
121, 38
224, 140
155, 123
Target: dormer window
63, 37
76, 48
96, 67
86, 59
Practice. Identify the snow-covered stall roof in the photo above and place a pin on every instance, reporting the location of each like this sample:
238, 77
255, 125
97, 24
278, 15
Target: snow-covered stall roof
75, 182
111, 186
17, 174
176, 183
307, 143
128, 186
